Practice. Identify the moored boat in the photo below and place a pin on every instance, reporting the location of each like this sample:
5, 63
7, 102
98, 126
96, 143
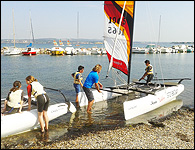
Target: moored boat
12, 50
29, 51
138, 50
69, 49
57, 50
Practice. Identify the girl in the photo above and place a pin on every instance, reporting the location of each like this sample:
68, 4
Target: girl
14, 100
36, 89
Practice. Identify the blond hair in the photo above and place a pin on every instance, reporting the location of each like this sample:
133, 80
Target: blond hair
31, 79
97, 67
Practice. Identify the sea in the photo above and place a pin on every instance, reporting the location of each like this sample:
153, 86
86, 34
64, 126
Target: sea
55, 72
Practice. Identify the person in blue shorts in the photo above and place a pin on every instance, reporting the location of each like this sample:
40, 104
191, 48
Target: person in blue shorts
87, 86
78, 82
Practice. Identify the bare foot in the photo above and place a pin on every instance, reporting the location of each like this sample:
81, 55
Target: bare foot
89, 112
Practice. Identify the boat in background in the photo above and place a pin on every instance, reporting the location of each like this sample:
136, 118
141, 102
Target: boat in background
190, 49
103, 51
138, 50
30, 50
61, 43
151, 48
57, 50
182, 49
82, 51
12, 50
166, 50
95, 51
69, 50
175, 49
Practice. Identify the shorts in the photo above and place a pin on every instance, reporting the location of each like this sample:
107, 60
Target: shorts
42, 102
12, 110
77, 87
88, 93
149, 78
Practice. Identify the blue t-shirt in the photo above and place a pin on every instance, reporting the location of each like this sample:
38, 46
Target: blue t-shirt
91, 79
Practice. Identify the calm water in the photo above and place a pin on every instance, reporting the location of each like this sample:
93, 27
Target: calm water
55, 72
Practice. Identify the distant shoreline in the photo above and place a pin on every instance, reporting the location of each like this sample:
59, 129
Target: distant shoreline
74, 41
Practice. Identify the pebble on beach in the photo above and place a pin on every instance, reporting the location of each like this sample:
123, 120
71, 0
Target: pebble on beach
175, 131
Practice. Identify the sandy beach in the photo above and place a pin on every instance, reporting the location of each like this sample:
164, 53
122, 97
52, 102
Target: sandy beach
175, 131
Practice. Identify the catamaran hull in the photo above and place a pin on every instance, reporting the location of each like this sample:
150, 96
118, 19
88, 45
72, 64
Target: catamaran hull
104, 95
150, 102
28, 120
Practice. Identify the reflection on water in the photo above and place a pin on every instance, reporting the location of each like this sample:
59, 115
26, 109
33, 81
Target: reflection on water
105, 114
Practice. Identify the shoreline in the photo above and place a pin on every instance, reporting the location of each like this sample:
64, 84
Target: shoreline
175, 131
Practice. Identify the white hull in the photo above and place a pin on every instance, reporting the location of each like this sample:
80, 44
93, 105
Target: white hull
136, 107
12, 51
150, 102
28, 120
83, 101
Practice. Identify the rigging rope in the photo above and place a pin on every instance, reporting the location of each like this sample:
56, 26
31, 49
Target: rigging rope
154, 54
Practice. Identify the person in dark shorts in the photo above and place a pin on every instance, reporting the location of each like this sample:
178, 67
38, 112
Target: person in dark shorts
148, 72
36, 89
87, 86
14, 100
78, 82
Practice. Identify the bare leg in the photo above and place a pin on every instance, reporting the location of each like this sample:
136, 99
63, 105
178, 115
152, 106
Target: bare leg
77, 100
4, 109
46, 119
40, 118
90, 106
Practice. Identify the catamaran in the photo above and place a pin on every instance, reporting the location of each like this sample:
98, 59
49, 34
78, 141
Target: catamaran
118, 38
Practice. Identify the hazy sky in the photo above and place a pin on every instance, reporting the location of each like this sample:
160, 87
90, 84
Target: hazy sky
58, 19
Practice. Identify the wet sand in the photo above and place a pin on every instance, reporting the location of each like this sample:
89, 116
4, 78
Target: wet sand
175, 131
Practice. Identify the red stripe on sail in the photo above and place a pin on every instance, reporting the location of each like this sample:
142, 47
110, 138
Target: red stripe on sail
113, 11
118, 64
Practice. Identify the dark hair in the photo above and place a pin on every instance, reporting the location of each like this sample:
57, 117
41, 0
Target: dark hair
16, 86
147, 61
80, 68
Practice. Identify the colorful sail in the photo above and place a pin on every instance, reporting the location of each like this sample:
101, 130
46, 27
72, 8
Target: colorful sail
55, 43
68, 42
115, 17
61, 43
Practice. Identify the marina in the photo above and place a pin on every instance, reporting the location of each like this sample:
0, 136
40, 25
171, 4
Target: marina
97, 49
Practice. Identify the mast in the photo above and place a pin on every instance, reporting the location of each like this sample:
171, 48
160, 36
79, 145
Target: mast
77, 25
13, 26
131, 43
111, 61
31, 28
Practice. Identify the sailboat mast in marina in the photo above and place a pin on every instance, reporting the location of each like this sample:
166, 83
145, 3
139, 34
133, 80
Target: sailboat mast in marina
119, 20
12, 50
30, 49
13, 27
